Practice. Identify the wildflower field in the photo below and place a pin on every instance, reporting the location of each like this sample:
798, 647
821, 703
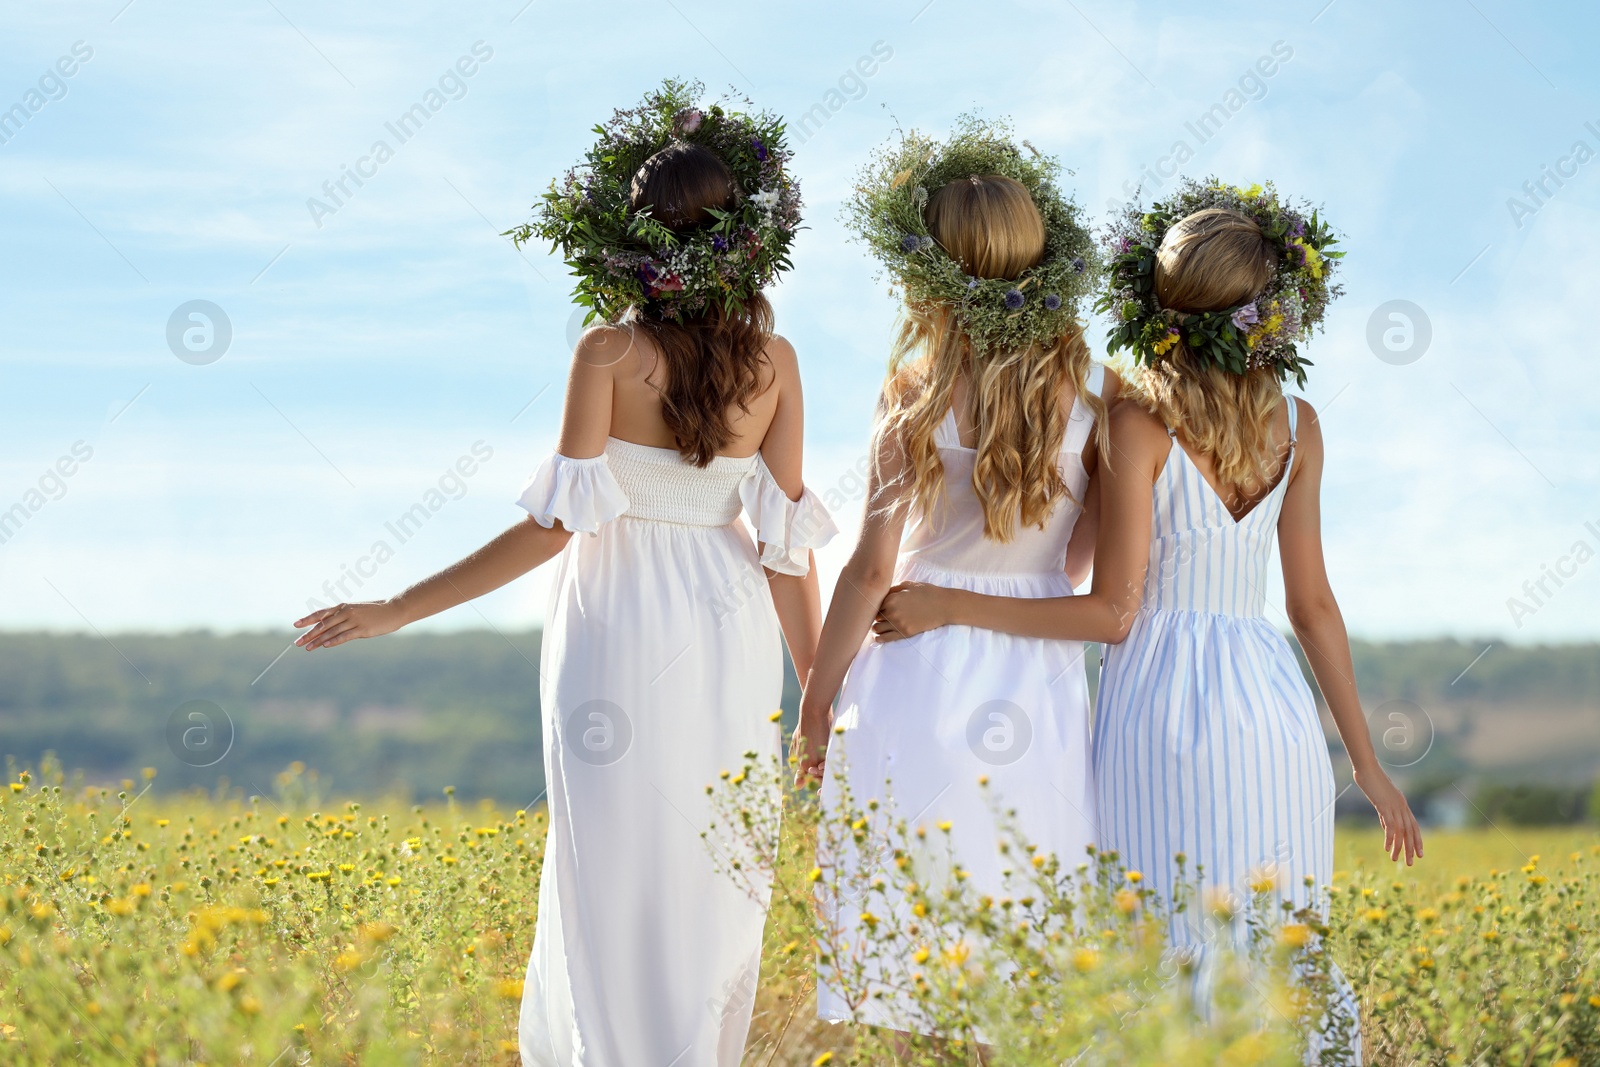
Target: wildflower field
141, 928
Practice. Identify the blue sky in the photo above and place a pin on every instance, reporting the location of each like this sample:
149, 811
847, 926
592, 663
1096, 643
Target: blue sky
374, 347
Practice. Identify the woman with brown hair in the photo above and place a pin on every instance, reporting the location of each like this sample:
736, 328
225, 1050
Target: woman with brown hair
660, 664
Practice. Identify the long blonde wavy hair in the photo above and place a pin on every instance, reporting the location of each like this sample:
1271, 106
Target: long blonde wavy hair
1211, 260
988, 224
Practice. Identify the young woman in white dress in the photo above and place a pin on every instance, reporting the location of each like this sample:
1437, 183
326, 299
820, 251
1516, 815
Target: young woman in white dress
653, 678
984, 457
1207, 739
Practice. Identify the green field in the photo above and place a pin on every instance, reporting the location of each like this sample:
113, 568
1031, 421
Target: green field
154, 930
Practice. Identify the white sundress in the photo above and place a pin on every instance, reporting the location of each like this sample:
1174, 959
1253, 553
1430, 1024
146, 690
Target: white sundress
920, 721
1206, 739
652, 681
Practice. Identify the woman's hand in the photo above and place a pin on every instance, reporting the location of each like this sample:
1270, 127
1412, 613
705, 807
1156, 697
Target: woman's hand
808, 748
912, 608
346, 622
1400, 830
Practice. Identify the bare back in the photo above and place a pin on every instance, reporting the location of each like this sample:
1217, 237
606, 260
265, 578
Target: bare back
1232, 496
614, 391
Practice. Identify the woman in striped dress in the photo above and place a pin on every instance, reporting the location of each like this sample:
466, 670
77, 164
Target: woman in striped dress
1207, 742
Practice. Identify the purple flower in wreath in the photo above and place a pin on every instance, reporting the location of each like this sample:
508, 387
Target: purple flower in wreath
657, 281
972, 284
1246, 316
1015, 299
719, 242
1052, 302
910, 243
1077, 266
761, 149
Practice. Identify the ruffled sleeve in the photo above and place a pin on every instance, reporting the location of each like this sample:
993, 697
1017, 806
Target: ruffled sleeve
787, 529
582, 493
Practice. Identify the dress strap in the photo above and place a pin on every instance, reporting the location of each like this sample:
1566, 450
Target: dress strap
946, 435
1080, 422
1097, 377
1294, 409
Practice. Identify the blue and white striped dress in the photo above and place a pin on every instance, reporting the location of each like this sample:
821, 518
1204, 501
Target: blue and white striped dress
1206, 736
1207, 740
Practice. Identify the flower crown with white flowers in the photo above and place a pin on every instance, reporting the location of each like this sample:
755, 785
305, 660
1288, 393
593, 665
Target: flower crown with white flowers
1262, 332
623, 258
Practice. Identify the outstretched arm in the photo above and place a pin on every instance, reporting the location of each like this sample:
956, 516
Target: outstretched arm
1319, 627
861, 587
1138, 448
797, 599
585, 423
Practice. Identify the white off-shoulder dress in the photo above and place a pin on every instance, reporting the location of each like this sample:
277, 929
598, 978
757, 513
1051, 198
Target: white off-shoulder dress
920, 721
661, 666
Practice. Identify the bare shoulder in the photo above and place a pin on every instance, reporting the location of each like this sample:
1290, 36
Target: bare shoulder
601, 349
1307, 433
1131, 422
1138, 437
781, 357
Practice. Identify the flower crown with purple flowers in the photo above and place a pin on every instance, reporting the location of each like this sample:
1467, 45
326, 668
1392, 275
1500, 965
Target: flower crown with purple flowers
623, 258
998, 314
1262, 332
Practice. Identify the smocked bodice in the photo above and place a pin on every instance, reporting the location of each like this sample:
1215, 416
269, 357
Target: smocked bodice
1200, 558
661, 485
649, 484
952, 538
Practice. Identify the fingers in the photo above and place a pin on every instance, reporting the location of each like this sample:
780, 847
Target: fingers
1413, 840
345, 625
323, 618
315, 616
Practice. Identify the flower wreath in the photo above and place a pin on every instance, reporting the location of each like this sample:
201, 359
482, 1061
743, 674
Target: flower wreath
1263, 331
998, 314
626, 259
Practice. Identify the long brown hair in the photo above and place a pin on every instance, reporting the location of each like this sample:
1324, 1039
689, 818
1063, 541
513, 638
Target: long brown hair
714, 361
988, 224
1208, 261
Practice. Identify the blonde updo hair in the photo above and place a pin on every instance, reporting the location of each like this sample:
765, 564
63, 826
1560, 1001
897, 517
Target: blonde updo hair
990, 226
1211, 260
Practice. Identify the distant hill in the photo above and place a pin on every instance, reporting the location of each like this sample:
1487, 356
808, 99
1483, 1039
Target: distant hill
413, 713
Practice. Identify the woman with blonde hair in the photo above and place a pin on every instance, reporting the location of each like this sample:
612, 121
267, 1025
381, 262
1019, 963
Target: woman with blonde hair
986, 437
1209, 756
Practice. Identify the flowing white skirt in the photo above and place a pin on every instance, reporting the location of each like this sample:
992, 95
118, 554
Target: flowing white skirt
654, 679
920, 721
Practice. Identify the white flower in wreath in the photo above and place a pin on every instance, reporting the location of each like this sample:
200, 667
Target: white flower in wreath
766, 201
